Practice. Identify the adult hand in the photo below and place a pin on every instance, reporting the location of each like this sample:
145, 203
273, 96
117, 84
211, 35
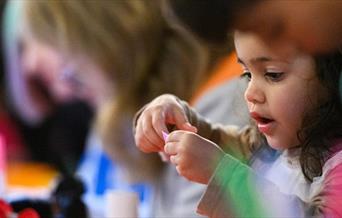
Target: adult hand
195, 157
162, 111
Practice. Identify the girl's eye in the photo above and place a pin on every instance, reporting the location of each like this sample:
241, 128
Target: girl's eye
274, 76
246, 75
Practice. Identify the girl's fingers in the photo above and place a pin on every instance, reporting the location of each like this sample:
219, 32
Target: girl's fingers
170, 148
159, 124
146, 146
181, 121
176, 136
173, 159
139, 137
164, 157
150, 133
187, 126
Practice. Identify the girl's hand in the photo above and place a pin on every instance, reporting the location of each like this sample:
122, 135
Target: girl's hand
162, 111
195, 157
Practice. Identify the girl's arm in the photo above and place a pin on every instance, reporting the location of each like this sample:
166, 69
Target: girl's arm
232, 140
236, 190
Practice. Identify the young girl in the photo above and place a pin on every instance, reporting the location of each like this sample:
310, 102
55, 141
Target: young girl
293, 100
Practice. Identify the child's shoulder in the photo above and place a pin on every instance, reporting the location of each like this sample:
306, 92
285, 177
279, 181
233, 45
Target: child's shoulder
332, 168
335, 159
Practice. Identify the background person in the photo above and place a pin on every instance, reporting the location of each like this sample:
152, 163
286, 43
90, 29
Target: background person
122, 56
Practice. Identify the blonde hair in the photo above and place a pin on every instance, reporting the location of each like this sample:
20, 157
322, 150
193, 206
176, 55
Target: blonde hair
132, 42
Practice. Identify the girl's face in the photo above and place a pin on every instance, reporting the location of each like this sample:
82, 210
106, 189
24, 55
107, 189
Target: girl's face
282, 88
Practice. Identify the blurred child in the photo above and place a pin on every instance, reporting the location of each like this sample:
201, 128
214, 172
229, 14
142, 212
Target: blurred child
293, 99
119, 55
41, 104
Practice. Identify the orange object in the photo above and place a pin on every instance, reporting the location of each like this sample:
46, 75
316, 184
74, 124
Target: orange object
30, 174
226, 69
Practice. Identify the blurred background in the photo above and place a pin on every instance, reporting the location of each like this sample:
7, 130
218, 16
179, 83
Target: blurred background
73, 75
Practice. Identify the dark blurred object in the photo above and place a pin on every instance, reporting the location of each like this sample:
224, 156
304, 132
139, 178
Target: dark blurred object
210, 20
67, 201
68, 134
42, 207
61, 137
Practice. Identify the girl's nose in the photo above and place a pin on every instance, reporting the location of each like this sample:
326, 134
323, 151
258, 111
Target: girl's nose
254, 93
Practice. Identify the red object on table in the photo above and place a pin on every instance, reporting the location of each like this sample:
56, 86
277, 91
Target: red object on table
28, 213
7, 211
4, 207
2, 214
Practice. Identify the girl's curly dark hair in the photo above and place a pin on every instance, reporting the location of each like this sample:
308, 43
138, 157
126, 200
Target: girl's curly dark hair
324, 124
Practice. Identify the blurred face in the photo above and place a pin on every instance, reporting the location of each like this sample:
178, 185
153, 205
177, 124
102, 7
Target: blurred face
64, 76
42, 64
313, 26
87, 80
282, 88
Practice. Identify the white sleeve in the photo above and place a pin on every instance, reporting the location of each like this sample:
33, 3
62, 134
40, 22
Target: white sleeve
236, 190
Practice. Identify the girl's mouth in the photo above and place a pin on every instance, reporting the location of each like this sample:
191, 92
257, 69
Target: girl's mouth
264, 124
263, 120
